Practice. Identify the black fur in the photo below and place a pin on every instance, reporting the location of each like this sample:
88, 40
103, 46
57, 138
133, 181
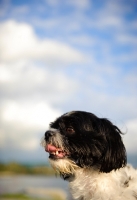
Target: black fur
94, 142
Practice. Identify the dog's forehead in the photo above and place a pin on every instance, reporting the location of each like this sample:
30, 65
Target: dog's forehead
63, 119
74, 117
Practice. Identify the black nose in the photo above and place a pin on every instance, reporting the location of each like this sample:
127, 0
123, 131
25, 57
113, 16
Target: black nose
49, 134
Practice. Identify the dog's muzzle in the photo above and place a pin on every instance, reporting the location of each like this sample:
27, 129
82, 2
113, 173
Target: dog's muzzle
52, 145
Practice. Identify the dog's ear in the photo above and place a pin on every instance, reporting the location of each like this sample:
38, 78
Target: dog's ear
115, 154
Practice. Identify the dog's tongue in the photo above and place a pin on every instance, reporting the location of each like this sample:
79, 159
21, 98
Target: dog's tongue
50, 148
55, 151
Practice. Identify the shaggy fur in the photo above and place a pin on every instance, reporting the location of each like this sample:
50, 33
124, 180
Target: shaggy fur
88, 152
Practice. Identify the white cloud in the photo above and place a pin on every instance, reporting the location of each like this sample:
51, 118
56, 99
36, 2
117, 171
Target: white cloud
127, 39
130, 138
28, 93
53, 2
84, 40
111, 21
18, 41
31, 114
82, 4
18, 10
24, 80
23, 121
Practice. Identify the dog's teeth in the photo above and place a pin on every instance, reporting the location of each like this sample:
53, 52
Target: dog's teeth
53, 153
57, 153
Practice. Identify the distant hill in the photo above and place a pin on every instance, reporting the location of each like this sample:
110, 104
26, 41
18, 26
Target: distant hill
17, 168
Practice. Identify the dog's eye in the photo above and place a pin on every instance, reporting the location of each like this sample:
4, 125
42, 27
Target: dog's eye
70, 130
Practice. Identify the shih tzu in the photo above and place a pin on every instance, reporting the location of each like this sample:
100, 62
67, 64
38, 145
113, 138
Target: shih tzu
88, 152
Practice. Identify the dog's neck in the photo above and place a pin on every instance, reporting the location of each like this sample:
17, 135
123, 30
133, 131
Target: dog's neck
73, 176
67, 177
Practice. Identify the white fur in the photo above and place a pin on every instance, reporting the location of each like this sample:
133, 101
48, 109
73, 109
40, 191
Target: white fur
64, 165
89, 184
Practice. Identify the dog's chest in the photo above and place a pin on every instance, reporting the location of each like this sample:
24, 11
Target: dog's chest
90, 185
87, 185
81, 190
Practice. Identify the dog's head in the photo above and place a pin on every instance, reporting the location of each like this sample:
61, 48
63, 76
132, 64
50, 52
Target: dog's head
82, 140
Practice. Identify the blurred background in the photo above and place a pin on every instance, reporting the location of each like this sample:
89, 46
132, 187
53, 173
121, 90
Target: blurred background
63, 55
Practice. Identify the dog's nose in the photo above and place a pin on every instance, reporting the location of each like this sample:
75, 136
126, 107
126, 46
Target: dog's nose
49, 133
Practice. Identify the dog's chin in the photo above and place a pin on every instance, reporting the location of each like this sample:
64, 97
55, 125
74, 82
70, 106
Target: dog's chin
63, 165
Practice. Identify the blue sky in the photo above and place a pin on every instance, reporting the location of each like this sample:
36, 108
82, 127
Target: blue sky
58, 56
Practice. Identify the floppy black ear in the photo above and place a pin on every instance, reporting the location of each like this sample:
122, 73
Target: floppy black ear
115, 155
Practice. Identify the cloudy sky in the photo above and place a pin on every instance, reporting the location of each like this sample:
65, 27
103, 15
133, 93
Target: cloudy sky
63, 55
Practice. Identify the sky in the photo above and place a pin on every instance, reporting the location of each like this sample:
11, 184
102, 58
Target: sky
62, 55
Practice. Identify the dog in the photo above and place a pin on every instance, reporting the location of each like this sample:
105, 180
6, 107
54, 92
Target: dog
88, 151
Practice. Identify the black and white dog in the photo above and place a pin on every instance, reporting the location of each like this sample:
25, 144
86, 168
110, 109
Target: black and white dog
88, 151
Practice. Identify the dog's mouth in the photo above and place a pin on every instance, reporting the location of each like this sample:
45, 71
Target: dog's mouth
54, 152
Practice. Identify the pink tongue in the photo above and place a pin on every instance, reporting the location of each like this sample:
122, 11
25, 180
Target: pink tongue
50, 148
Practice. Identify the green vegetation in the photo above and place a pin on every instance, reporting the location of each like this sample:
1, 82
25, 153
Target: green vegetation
16, 168
16, 196
26, 197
